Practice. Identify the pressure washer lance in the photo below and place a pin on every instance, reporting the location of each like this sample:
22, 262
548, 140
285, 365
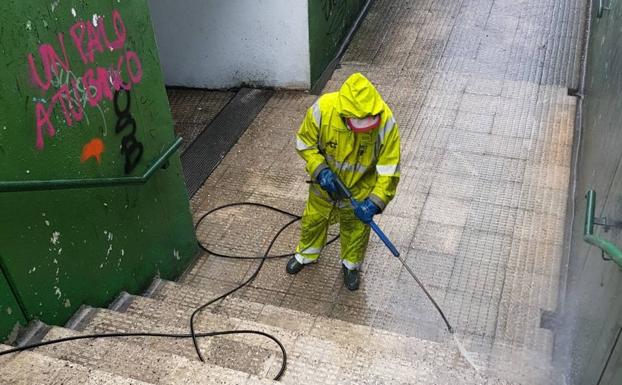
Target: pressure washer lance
387, 242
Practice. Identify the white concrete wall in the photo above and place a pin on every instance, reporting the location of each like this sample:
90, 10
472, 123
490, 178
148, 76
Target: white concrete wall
226, 43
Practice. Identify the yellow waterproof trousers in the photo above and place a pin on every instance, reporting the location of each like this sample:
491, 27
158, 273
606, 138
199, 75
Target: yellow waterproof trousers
318, 215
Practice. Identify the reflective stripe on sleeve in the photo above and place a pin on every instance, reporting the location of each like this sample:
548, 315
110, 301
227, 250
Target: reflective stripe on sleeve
387, 169
388, 126
301, 146
317, 114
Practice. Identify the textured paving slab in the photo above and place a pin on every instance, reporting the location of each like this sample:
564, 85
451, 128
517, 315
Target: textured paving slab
335, 351
32, 368
125, 358
226, 352
299, 322
193, 110
291, 324
479, 89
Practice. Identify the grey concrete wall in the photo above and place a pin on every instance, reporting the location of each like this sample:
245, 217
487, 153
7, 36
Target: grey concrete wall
222, 44
593, 306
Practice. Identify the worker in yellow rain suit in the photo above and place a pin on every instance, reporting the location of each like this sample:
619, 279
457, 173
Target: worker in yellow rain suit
351, 135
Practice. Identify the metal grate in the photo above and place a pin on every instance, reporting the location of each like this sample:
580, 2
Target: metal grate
208, 149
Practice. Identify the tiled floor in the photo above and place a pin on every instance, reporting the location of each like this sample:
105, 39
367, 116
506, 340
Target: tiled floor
479, 88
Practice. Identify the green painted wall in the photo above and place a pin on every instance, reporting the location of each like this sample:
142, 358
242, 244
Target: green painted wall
10, 312
67, 247
594, 296
329, 22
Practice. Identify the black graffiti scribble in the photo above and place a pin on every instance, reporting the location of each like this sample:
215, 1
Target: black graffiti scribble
130, 146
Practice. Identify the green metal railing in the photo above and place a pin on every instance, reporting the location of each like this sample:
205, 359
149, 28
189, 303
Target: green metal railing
60, 184
606, 247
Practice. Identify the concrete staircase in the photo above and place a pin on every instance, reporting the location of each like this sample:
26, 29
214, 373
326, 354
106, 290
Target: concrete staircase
320, 350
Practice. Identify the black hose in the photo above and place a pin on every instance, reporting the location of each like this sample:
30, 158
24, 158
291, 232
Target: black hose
140, 334
193, 334
249, 280
227, 256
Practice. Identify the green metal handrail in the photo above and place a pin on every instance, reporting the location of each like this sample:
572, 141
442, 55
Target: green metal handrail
59, 184
588, 232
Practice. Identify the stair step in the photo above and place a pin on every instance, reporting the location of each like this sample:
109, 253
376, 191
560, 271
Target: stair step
190, 297
32, 368
124, 357
202, 285
311, 360
178, 296
226, 351
331, 348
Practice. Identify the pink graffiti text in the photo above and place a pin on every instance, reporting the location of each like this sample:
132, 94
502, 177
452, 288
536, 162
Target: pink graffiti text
95, 85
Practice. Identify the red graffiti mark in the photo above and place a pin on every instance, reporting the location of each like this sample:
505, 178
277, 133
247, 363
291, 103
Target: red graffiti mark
50, 60
117, 79
93, 43
137, 75
43, 121
97, 85
77, 32
95, 35
119, 29
93, 149
94, 86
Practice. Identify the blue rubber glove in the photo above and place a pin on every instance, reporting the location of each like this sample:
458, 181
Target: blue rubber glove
366, 210
327, 180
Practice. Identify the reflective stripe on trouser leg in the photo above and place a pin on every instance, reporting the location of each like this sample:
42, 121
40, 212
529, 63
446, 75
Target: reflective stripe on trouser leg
314, 228
354, 236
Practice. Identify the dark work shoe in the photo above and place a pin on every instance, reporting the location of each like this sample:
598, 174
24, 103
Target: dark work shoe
293, 266
350, 278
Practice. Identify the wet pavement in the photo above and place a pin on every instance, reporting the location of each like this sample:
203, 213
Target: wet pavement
480, 91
